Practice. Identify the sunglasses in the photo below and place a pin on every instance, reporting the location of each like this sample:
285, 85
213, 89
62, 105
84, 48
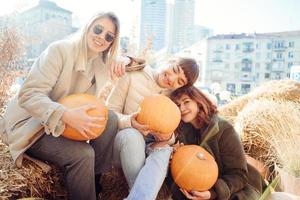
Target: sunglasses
99, 29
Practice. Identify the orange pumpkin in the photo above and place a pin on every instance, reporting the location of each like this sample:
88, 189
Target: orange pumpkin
193, 168
160, 113
77, 100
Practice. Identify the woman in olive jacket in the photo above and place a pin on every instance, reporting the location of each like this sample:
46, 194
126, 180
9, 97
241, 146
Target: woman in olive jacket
202, 126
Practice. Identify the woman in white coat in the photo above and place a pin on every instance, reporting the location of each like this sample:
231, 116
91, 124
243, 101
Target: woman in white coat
34, 121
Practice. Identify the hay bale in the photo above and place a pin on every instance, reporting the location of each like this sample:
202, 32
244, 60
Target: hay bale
28, 181
115, 187
277, 90
270, 131
32, 181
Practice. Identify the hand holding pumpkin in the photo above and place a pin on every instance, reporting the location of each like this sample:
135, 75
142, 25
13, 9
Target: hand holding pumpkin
144, 129
195, 195
161, 137
78, 119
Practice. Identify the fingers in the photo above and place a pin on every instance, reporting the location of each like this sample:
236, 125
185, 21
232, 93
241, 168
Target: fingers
88, 107
97, 119
117, 68
90, 133
188, 195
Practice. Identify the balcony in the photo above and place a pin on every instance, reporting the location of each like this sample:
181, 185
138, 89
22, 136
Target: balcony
279, 48
218, 51
277, 68
248, 50
217, 60
278, 59
246, 77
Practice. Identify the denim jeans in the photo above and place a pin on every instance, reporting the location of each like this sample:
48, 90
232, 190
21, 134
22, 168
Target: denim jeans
144, 176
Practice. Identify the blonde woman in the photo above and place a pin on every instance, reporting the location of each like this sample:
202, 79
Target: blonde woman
34, 121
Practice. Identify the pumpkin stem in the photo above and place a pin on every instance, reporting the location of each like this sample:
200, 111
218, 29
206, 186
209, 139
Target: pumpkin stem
201, 156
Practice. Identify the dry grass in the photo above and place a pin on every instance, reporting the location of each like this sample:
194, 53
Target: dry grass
270, 132
279, 90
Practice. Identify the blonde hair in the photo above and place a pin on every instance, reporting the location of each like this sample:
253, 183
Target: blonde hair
81, 40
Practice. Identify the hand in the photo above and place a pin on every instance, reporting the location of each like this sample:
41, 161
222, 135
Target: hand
144, 129
177, 145
78, 119
159, 137
159, 144
195, 195
118, 66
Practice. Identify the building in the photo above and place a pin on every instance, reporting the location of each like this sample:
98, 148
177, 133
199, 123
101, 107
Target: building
153, 24
42, 25
181, 20
240, 62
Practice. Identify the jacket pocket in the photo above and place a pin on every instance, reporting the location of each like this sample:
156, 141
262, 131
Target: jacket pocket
19, 123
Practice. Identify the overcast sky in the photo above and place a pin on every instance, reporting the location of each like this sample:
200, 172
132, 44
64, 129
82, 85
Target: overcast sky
223, 16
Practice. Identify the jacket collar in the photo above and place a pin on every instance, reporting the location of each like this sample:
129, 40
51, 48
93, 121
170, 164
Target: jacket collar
211, 130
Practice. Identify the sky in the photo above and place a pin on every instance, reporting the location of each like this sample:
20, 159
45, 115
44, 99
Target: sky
223, 16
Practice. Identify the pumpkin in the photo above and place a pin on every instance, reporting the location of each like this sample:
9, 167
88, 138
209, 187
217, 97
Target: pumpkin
160, 113
193, 168
78, 100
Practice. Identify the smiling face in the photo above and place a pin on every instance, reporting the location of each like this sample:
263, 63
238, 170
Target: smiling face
100, 34
188, 107
172, 77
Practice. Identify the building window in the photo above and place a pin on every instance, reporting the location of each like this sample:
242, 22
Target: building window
291, 44
269, 46
257, 46
257, 75
227, 46
227, 55
257, 65
237, 47
291, 55
258, 56
267, 75
279, 55
230, 87
288, 75
248, 47
278, 44
245, 88
268, 66
237, 66
290, 64
269, 55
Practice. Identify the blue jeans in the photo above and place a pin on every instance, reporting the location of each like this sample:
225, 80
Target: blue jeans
144, 176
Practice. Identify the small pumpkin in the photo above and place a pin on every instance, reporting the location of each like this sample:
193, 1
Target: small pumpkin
160, 113
193, 168
78, 100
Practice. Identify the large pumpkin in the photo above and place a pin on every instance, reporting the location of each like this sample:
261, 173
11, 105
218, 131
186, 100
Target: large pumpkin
193, 168
77, 100
160, 113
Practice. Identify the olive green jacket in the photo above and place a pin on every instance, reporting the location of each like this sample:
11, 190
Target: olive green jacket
221, 140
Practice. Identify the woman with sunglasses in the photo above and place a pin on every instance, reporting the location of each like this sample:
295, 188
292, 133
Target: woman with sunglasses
34, 121
200, 125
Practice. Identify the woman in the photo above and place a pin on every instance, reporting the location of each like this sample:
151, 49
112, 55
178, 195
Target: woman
78, 65
130, 143
202, 126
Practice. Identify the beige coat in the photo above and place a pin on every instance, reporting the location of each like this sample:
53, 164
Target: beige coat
130, 91
34, 111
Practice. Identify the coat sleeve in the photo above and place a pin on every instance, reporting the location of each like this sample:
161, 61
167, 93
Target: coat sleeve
117, 100
34, 94
234, 175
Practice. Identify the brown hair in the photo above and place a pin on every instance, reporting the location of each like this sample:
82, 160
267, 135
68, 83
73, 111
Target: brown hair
206, 108
190, 69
